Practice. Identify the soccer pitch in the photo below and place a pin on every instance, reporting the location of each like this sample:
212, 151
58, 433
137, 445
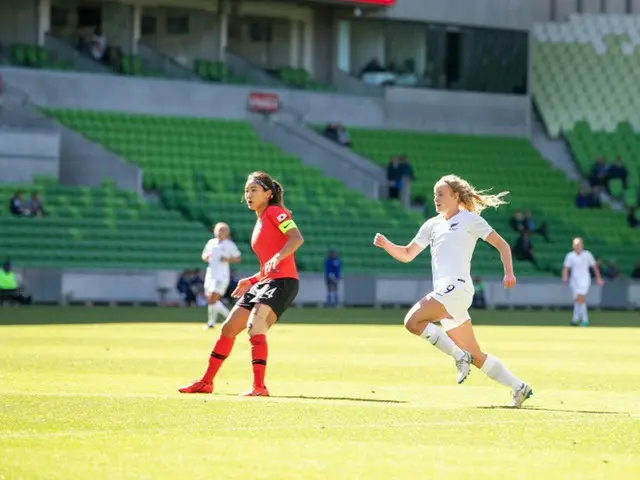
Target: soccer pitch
92, 393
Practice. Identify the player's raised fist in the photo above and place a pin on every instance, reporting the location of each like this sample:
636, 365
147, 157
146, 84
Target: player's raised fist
380, 240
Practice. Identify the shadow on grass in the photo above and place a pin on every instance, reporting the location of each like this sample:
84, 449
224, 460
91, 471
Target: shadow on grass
51, 315
347, 399
559, 410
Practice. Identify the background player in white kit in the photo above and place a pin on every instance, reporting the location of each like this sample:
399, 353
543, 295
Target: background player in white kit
580, 262
218, 253
452, 236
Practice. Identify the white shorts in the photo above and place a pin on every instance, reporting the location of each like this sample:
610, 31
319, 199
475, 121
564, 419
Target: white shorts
211, 285
579, 288
456, 297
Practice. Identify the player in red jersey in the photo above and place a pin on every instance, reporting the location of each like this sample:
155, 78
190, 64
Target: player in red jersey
265, 296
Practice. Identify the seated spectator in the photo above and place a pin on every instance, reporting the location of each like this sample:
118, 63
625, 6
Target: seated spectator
598, 174
596, 197
636, 271
530, 225
584, 198
394, 177
16, 205
183, 286
523, 249
342, 136
373, 67
632, 218
98, 44
517, 221
331, 132
36, 207
479, 300
612, 271
618, 170
113, 57
9, 288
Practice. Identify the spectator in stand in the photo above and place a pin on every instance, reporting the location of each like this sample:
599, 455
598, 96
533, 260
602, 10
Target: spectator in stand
584, 198
599, 172
406, 177
36, 207
618, 170
331, 132
394, 176
343, 137
184, 288
517, 221
479, 300
373, 66
632, 218
523, 248
9, 287
612, 271
332, 275
16, 205
596, 197
635, 274
523, 221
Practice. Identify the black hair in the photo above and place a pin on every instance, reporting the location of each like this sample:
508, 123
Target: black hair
265, 181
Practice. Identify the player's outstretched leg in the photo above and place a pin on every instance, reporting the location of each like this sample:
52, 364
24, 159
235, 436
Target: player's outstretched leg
260, 320
235, 323
464, 337
419, 322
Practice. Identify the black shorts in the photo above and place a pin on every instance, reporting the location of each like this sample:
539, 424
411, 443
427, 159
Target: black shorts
279, 294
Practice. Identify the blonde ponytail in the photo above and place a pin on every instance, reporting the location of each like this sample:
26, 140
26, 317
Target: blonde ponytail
471, 199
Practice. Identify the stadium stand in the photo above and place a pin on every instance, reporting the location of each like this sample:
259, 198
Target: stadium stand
33, 56
97, 228
585, 89
504, 164
199, 166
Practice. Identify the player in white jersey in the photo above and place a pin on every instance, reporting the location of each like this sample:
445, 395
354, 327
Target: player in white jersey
580, 262
452, 236
218, 253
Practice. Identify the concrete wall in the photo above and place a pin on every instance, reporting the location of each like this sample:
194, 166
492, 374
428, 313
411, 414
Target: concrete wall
18, 21
142, 286
25, 153
202, 41
514, 14
402, 108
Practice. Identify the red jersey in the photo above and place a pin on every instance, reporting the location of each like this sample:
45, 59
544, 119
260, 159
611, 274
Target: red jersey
269, 237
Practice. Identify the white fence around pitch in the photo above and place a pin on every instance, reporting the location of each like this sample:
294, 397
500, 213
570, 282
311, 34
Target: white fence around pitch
120, 286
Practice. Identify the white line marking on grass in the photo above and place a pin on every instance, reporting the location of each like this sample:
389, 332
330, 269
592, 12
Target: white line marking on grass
359, 426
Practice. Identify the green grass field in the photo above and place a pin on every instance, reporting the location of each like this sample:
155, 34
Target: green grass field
92, 393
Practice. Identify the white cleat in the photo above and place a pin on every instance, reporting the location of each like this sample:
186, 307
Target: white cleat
464, 367
521, 395
208, 326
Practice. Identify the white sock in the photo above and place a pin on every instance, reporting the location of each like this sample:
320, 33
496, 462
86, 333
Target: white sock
221, 309
584, 312
211, 314
439, 339
576, 312
496, 370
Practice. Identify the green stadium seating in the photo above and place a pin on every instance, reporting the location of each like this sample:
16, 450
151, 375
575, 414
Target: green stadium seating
215, 72
585, 88
505, 164
301, 79
33, 56
98, 228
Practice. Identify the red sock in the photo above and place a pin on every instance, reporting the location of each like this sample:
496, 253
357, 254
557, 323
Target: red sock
220, 352
259, 353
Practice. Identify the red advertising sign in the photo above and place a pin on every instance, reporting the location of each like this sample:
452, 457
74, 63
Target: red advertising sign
264, 102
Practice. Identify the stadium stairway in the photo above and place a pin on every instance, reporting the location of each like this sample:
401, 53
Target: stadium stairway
97, 228
506, 164
199, 167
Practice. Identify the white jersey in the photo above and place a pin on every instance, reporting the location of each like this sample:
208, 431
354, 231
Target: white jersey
216, 250
580, 265
452, 244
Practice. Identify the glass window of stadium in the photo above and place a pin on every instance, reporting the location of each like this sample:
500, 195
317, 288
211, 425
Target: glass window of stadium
266, 42
438, 56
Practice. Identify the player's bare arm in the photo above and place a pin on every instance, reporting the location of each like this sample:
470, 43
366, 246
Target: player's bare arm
401, 253
294, 241
596, 272
496, 241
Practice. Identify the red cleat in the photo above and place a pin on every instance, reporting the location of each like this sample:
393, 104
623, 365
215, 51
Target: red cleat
197, 387
256, 392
